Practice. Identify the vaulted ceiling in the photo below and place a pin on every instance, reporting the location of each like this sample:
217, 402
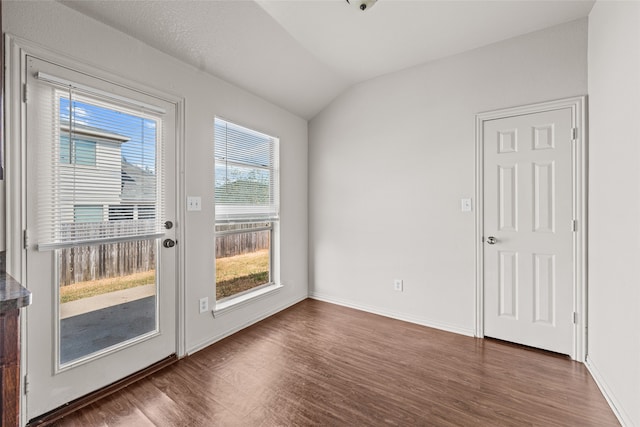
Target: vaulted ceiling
301, 54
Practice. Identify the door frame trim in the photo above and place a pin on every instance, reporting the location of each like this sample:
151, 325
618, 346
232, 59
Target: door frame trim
16, 50
579, 177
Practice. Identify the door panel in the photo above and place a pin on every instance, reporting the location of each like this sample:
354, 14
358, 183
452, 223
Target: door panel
544, 283
508, 284
104, 303
508, 198
528, 209
543, 197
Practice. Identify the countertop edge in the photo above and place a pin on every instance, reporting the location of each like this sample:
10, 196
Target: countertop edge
13, 295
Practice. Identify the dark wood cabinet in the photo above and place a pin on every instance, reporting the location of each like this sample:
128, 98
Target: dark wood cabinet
13, 297
10, 368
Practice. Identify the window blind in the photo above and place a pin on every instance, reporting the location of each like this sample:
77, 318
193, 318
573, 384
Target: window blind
101, 168
246, 174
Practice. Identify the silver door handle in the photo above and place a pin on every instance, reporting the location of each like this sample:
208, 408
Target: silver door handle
492, 240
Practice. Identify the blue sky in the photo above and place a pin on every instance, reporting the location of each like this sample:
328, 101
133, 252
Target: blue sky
140, 150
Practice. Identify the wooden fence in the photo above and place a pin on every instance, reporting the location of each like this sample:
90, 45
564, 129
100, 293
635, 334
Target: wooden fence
241, 243
102, 261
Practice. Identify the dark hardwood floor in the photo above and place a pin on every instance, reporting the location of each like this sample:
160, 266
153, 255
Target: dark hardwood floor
322, 364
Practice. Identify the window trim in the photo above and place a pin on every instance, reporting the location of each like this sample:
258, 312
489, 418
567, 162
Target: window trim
235, 302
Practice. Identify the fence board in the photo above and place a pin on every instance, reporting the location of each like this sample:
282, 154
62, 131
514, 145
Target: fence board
103, 261
242, 243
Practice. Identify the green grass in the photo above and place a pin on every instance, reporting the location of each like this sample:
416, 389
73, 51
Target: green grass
92, 288
241, 272
234, 286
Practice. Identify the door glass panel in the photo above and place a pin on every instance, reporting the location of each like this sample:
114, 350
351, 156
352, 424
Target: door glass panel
107, 172
107, 296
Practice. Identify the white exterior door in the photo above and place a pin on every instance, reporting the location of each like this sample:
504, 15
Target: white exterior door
528, 226
100, 174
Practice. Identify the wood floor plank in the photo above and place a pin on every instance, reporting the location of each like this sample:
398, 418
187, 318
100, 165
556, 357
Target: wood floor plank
114, 410
321, 364
159, 408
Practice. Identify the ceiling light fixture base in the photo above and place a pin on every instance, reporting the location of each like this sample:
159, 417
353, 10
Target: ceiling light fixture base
362, 4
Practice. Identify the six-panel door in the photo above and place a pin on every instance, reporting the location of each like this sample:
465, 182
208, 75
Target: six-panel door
528, 209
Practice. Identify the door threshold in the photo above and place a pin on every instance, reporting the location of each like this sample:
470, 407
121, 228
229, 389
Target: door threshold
56, 414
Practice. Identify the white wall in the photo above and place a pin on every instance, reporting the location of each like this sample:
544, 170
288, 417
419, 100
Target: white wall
614, 203
390, 159
61, 29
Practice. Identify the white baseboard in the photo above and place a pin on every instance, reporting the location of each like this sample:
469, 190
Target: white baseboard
249, 322
623, 417
394, 315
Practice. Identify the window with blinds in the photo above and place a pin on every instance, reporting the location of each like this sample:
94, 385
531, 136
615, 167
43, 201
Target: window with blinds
101, 160
247, 208
246, 174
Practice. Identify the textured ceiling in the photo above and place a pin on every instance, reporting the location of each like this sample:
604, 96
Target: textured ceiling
300, 54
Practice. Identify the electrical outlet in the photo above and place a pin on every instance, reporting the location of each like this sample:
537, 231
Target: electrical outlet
397, 285
204, 304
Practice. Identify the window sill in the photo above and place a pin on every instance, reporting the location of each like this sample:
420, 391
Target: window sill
235, 303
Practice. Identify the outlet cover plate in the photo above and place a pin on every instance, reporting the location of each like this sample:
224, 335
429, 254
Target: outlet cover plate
204, 304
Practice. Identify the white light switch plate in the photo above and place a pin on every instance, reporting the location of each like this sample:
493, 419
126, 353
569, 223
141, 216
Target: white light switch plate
465, 205
194, 203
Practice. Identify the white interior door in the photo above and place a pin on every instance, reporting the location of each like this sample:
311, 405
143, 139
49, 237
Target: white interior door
528, 226
104, 287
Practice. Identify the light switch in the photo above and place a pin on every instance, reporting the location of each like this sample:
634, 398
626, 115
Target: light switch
465, 205
194, 203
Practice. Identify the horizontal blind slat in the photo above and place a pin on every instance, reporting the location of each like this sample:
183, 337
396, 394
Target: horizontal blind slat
246, 174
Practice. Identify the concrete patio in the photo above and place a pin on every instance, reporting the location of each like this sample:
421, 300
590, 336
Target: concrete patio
96, 323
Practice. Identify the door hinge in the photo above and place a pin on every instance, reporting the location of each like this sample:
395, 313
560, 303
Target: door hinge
24, 93
25, 387
574, 133
575, 318
25, 239
574, 225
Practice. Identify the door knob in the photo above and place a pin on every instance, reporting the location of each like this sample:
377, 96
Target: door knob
168, 243
492, 240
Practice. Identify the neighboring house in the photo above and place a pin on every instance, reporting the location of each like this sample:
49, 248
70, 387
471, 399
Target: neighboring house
103, 185
138, 193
